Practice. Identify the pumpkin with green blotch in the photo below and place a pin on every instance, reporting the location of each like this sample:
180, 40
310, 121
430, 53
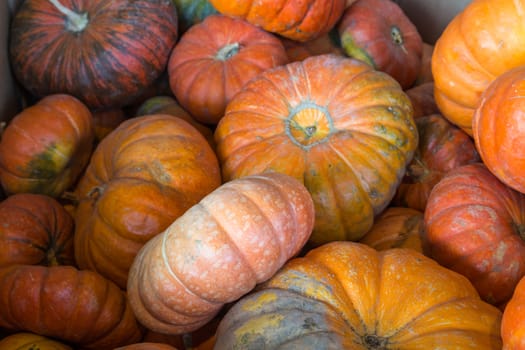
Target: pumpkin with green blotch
346, 295
348, 144
46, 146
31, 341
141, 177
191, 12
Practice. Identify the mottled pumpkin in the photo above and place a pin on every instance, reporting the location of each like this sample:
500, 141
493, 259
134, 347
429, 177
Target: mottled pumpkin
61, 302
349, 144
31, 341
475, 225
218, 250
35, 230
191, 12
141, 177
346, 295
46, 146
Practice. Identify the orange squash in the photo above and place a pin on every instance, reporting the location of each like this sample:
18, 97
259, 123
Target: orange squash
236, 237
31, 341
513, 321
346, 295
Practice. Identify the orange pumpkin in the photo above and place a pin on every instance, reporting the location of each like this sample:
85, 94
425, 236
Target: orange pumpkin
485, 39
31, 341
422, 98
296, 20
346, 295
214, 59
106, 120
35, 229
217, 251
513, 321
74, 306
349, 143
474, 224
497, 128
299, 50
146, 346
46, 146
141, 177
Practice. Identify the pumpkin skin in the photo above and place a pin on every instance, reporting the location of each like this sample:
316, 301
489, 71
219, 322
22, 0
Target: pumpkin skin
425, 73
214, 59
106, 62
463, 70
74, 306
396, 227
379, 33
31, 341
191, 12
147, 346
292, 19
442, 147
346, 295
46, 146
349, 144
35, 230
105, 121
299, 50
497, 128
236, 237
141, 177
513, 322
422, 98
474, 225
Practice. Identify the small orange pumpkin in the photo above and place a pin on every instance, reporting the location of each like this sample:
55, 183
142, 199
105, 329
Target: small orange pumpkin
31, 341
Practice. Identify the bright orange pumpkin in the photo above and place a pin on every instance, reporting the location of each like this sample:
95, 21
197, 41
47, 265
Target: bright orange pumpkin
513, 321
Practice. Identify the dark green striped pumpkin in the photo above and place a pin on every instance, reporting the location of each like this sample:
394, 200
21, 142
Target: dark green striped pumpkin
106, 53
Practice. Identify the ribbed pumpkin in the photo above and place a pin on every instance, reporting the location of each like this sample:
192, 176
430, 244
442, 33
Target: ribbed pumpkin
292, 19
396, 227
46, 146
349, 143
141, 177
236, 237
497, 128
346, 295
35, 230
513, 321
442, 147
379, 33
78, 307
31, 341
106, 53
486, 39
214, 59
475, 225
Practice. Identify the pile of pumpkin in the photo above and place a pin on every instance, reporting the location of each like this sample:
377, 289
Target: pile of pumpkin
263, 174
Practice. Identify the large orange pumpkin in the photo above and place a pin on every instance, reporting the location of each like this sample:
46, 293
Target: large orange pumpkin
336, 124
46, 146
217, 251
486, 39
141, 177
346, 295
475, 225
77, 307
292, 19
35, 229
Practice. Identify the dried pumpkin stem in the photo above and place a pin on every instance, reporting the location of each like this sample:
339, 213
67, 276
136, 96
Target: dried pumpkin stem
227, 51
75, 22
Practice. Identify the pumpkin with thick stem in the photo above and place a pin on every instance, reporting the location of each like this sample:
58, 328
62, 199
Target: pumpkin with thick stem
346, 295
348, 144
218, 250
106, 53
35, 230
142, 176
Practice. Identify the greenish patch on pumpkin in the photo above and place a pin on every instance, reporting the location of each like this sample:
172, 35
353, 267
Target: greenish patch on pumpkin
44, 165
355, 51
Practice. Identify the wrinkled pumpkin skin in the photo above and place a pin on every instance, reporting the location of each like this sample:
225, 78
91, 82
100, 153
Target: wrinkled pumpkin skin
486, 39
74, 306
218, 250
346, 295
46, 146
474, 225
141, 177
349, 144
35, 230
296, 20
30, 341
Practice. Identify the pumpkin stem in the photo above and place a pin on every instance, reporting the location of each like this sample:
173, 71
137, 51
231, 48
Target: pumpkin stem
75, 22
227, 51
374, 342
397, 38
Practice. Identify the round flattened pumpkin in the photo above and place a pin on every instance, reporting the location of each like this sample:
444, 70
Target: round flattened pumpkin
106, 53
141, 177
236, 237
46, 146
35, 230
346, 295
349, 143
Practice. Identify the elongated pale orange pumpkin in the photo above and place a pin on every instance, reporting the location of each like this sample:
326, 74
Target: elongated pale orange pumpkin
237, 236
